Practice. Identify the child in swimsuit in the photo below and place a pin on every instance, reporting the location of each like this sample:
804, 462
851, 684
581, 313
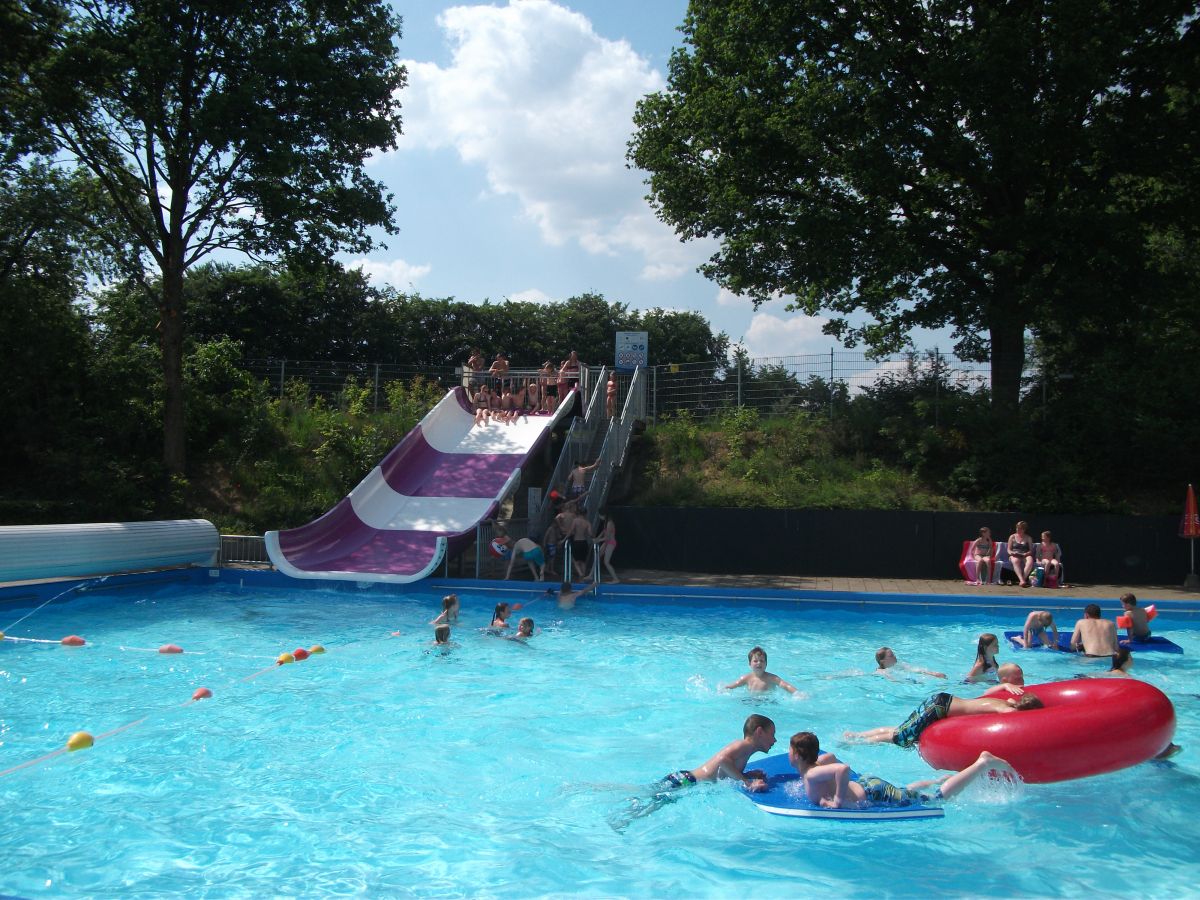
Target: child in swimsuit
985, 656
449, 613
981, 551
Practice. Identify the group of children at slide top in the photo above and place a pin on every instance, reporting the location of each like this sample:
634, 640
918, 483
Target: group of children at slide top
1024, 555
502, 397
826, 779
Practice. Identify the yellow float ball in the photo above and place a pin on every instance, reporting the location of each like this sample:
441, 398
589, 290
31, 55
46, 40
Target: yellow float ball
284, 659
80, 740
316, 648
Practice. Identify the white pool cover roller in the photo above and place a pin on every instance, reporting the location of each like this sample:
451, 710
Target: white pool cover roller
29, 552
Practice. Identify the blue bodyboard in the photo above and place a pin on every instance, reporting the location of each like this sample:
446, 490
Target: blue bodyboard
1154, 642
785, 797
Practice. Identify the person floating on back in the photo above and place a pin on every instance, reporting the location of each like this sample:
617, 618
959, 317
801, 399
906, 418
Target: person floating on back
885, 659
758, 680
938, 707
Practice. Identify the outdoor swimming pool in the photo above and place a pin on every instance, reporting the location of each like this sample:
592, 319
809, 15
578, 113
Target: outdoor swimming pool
386, 768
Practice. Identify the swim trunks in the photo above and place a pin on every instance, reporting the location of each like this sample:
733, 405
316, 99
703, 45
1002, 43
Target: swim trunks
682, 778
575, 490
579, 550
935, 708
880, 791
535, 556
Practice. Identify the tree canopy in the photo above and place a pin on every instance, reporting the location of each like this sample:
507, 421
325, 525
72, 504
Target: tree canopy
928, 164
220, 126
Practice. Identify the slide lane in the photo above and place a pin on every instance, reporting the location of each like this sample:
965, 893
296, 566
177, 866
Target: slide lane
422, 501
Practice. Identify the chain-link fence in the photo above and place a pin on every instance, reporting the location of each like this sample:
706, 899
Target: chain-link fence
816, 382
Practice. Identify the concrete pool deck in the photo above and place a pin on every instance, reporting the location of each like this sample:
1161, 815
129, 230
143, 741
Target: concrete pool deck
1037, 596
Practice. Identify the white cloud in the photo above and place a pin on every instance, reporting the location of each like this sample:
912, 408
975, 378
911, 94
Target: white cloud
532, 295
771, 335
544, 105
397, 272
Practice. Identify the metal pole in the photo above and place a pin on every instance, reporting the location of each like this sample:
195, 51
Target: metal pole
282, 366
830, 384
376, 387
739, 381
937, 387
478, 547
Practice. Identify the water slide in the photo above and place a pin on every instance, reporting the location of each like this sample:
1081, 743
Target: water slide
421, 502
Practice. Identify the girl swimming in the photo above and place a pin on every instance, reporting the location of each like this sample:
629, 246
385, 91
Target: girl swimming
985, 656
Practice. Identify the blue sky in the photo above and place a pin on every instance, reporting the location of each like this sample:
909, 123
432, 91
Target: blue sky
510, 177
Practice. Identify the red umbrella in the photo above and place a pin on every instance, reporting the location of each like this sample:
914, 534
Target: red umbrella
1189, 527
1189, 523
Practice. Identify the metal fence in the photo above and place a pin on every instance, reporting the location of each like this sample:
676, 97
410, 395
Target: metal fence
817, 382
814, 381
243, 549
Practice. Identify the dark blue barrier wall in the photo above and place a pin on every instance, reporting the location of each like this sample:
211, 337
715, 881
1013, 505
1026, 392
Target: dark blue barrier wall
887, 544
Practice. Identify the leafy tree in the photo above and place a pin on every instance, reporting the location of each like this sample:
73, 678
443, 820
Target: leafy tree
225, 126
928, 164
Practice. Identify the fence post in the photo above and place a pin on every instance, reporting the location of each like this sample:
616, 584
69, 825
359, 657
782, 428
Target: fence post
739, 382
830, 384
937, 387
478, 547
376, 387
282, 367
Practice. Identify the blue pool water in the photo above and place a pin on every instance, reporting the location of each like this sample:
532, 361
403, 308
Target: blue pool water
386, 768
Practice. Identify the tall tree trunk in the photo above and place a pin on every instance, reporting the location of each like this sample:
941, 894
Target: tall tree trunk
174, 417
1007, 332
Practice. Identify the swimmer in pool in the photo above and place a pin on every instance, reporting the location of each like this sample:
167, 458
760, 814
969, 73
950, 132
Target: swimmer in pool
829, 784
985, 657
568, 595
941, 706
1036, 624
885, 658
1012, 681
1093, 635
449, 613
758, 680
758, 736
500, 616
524, 630
441, 634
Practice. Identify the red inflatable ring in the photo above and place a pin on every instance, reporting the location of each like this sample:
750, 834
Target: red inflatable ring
1088, 726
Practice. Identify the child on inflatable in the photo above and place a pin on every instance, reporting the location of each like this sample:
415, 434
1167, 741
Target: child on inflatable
828, 783
1138, 627
1036, 624
938, 707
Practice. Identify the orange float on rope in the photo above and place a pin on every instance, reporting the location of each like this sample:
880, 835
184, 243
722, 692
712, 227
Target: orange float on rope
202, 694
80, 740
300, 653
170, 648
73, 640
1124, 621
284, 659
315, 649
